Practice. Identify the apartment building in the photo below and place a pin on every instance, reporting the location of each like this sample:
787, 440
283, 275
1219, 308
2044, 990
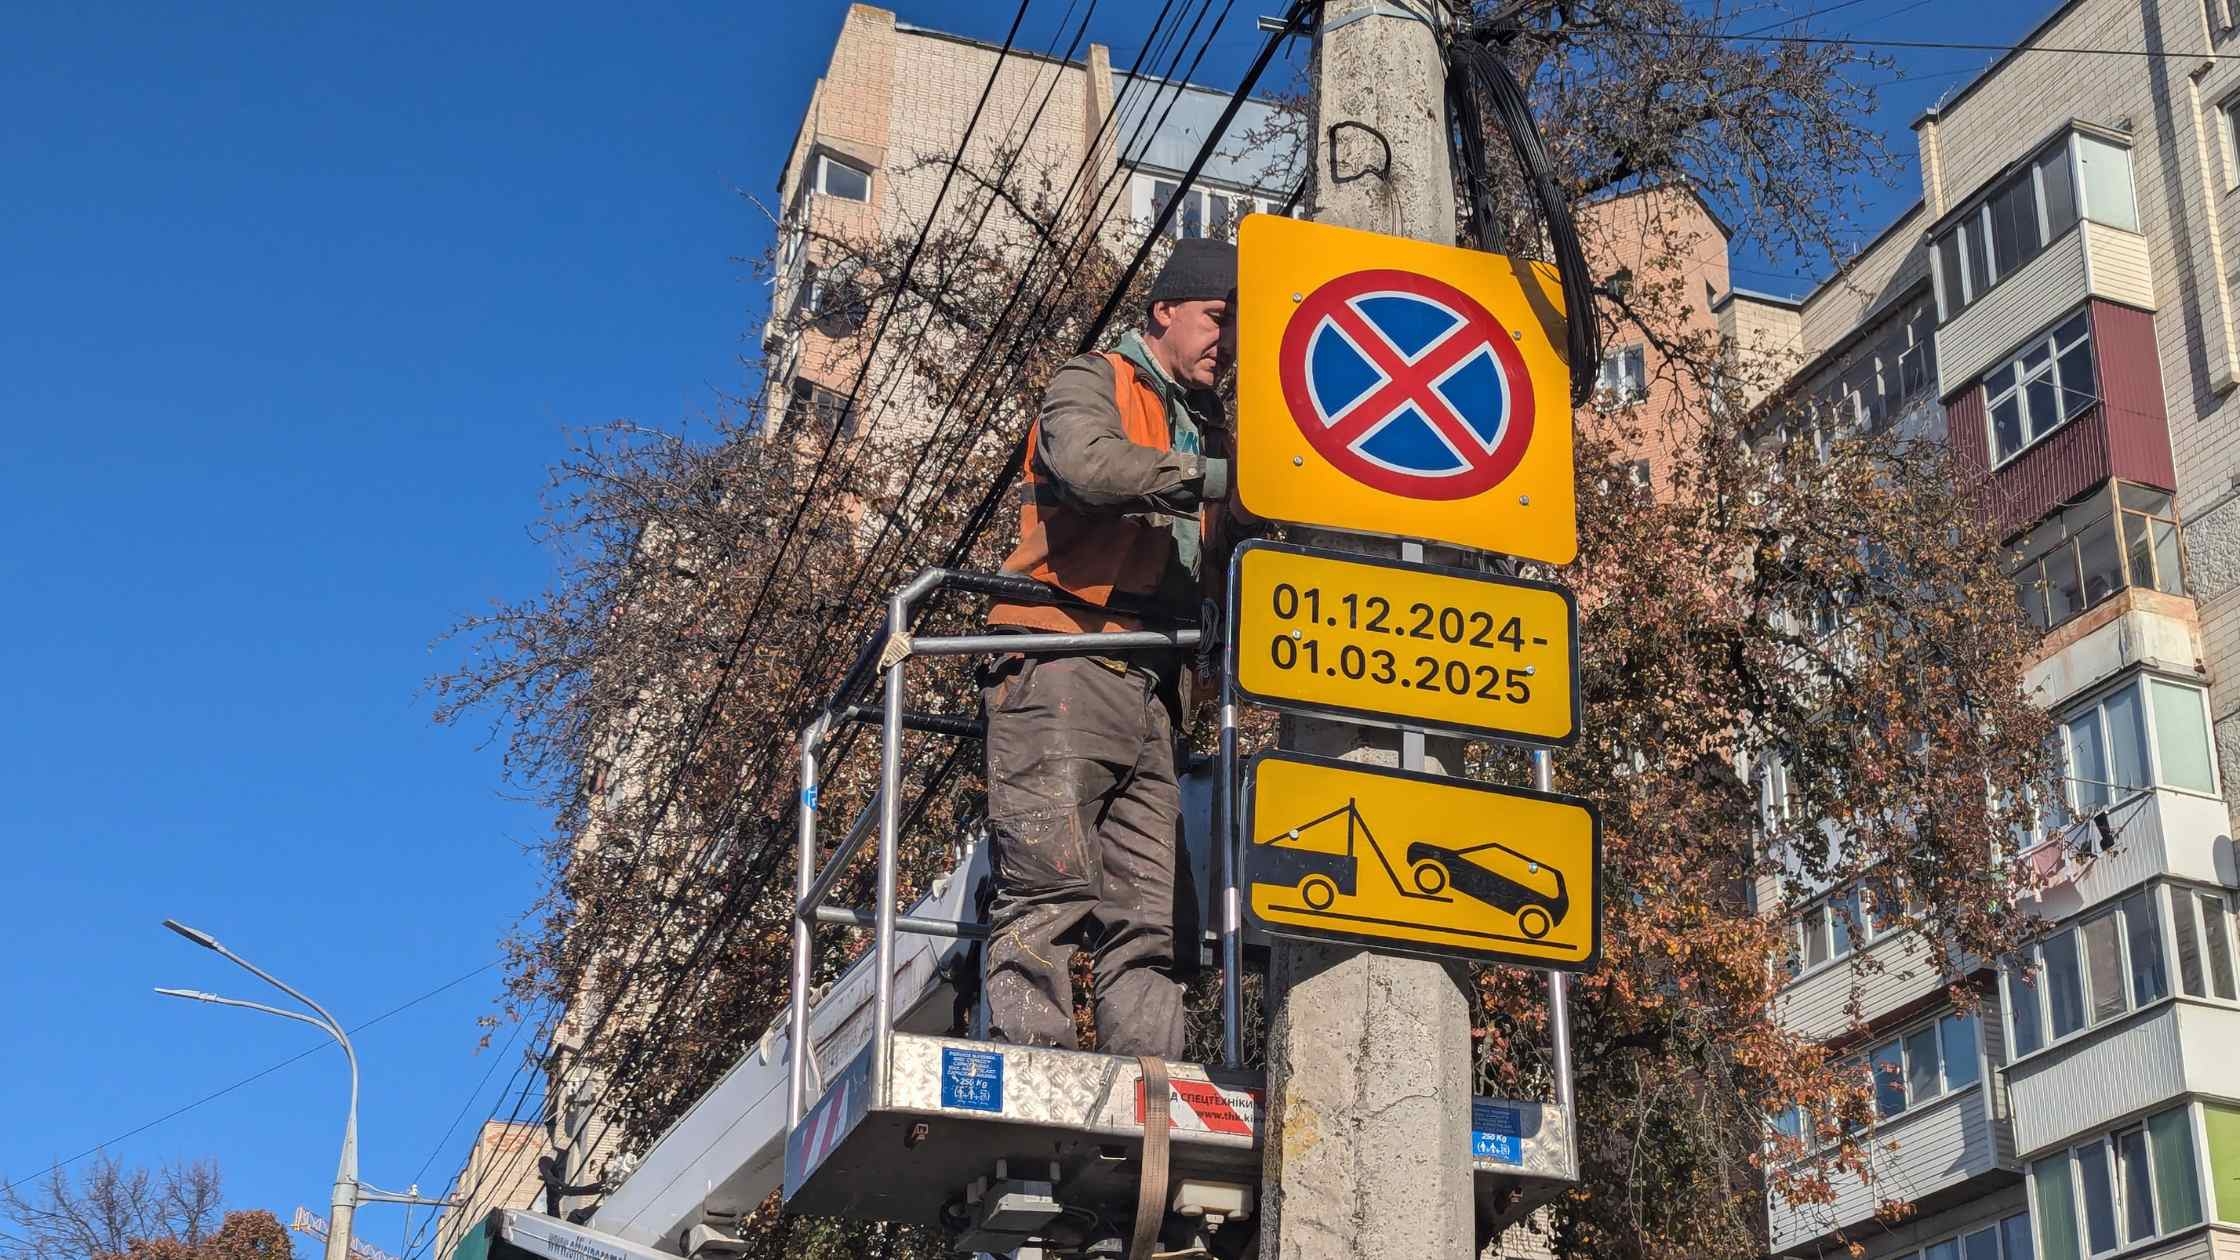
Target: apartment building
2059, 308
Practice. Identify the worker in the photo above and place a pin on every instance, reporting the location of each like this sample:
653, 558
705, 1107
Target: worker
1126, 469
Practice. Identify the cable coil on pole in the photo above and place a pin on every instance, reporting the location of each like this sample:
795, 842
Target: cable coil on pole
1478, 78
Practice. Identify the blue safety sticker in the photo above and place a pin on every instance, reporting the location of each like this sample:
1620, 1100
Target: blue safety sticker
809, 799
972, 1080
1495, 1133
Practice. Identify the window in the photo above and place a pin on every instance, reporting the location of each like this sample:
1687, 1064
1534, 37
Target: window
2142, 944
811, 403
2025, 1023
2047, 383
1777, 796
2181, 736
2101, 969
2131, 1186
1924, 1064
2226, 113
2064, 983
1623, 378
1213, 212
2110, 756
2013, 212
2106, 748
2008, 1239
1917, 358
2222, 1127
1834, 926
2150, 539
2202, 923
2014, 1238
2027, 209
2104, 175
836, 178
1907, 1072
2076, 558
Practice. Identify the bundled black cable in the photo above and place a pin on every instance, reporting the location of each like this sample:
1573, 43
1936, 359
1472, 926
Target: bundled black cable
1476, 77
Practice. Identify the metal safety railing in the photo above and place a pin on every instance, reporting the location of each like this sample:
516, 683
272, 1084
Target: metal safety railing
889, 654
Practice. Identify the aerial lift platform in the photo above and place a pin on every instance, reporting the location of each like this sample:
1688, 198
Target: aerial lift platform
872, 1099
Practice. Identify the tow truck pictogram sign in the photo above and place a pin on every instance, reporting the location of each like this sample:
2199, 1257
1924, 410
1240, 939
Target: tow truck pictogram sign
1420, 863
1389, 386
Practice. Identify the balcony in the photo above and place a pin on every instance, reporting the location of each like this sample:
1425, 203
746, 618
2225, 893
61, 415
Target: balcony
2134, 627
1930, 1157
2161, 1052
2159, 832
1894, 973
2092, 260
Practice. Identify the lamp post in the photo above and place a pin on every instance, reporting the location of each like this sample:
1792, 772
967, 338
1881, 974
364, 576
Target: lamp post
346, 1192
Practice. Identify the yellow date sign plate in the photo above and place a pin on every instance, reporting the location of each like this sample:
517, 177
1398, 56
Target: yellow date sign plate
1421, 864
1395, 644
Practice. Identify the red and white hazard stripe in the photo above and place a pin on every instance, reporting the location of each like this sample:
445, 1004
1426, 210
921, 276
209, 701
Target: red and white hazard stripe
825, 1127
1204, 1107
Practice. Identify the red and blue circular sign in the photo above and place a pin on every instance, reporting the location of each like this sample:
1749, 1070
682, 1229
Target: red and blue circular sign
1406, 384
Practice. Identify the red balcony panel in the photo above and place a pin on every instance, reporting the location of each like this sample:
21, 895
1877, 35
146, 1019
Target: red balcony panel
2131, 390
2127, 435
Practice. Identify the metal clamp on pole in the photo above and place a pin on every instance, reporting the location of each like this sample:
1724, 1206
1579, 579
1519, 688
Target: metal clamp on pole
1378, 8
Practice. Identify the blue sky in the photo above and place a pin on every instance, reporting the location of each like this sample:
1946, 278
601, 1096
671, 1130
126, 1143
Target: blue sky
301, 304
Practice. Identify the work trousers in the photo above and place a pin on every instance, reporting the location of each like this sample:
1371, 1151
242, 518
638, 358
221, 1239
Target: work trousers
1085, 815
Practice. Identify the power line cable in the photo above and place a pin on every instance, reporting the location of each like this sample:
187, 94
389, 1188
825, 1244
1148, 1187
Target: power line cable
729, 665
473, 1195
251, 1079
1859, 41
940, 779
731, 659
984, 511
1805, 16
1084, 236
472, 1094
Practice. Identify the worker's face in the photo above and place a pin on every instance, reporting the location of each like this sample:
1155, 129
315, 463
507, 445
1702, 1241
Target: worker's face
1196, 338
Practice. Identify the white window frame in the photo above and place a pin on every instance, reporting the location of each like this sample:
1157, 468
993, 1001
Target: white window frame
1611, 389
2019, 388
1864, 930
1977, 223
1900, 1040
2204, 1190
1143, 201
1807, 1129
2138, 680
2041, 995
1997, 1225
821, 184
2228, 145
2197, 928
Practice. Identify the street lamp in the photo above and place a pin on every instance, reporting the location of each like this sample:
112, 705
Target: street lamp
348, 1191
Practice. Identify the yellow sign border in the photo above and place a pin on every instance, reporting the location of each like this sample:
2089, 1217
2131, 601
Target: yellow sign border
1386, 944
1375, 717
1532, 512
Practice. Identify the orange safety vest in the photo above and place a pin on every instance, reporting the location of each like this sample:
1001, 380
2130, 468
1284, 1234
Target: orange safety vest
1087, 555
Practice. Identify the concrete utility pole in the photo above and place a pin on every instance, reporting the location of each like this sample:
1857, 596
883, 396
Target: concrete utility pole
1368, 1146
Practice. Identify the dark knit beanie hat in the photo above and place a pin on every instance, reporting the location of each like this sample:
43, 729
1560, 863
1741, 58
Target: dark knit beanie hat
1197, 269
